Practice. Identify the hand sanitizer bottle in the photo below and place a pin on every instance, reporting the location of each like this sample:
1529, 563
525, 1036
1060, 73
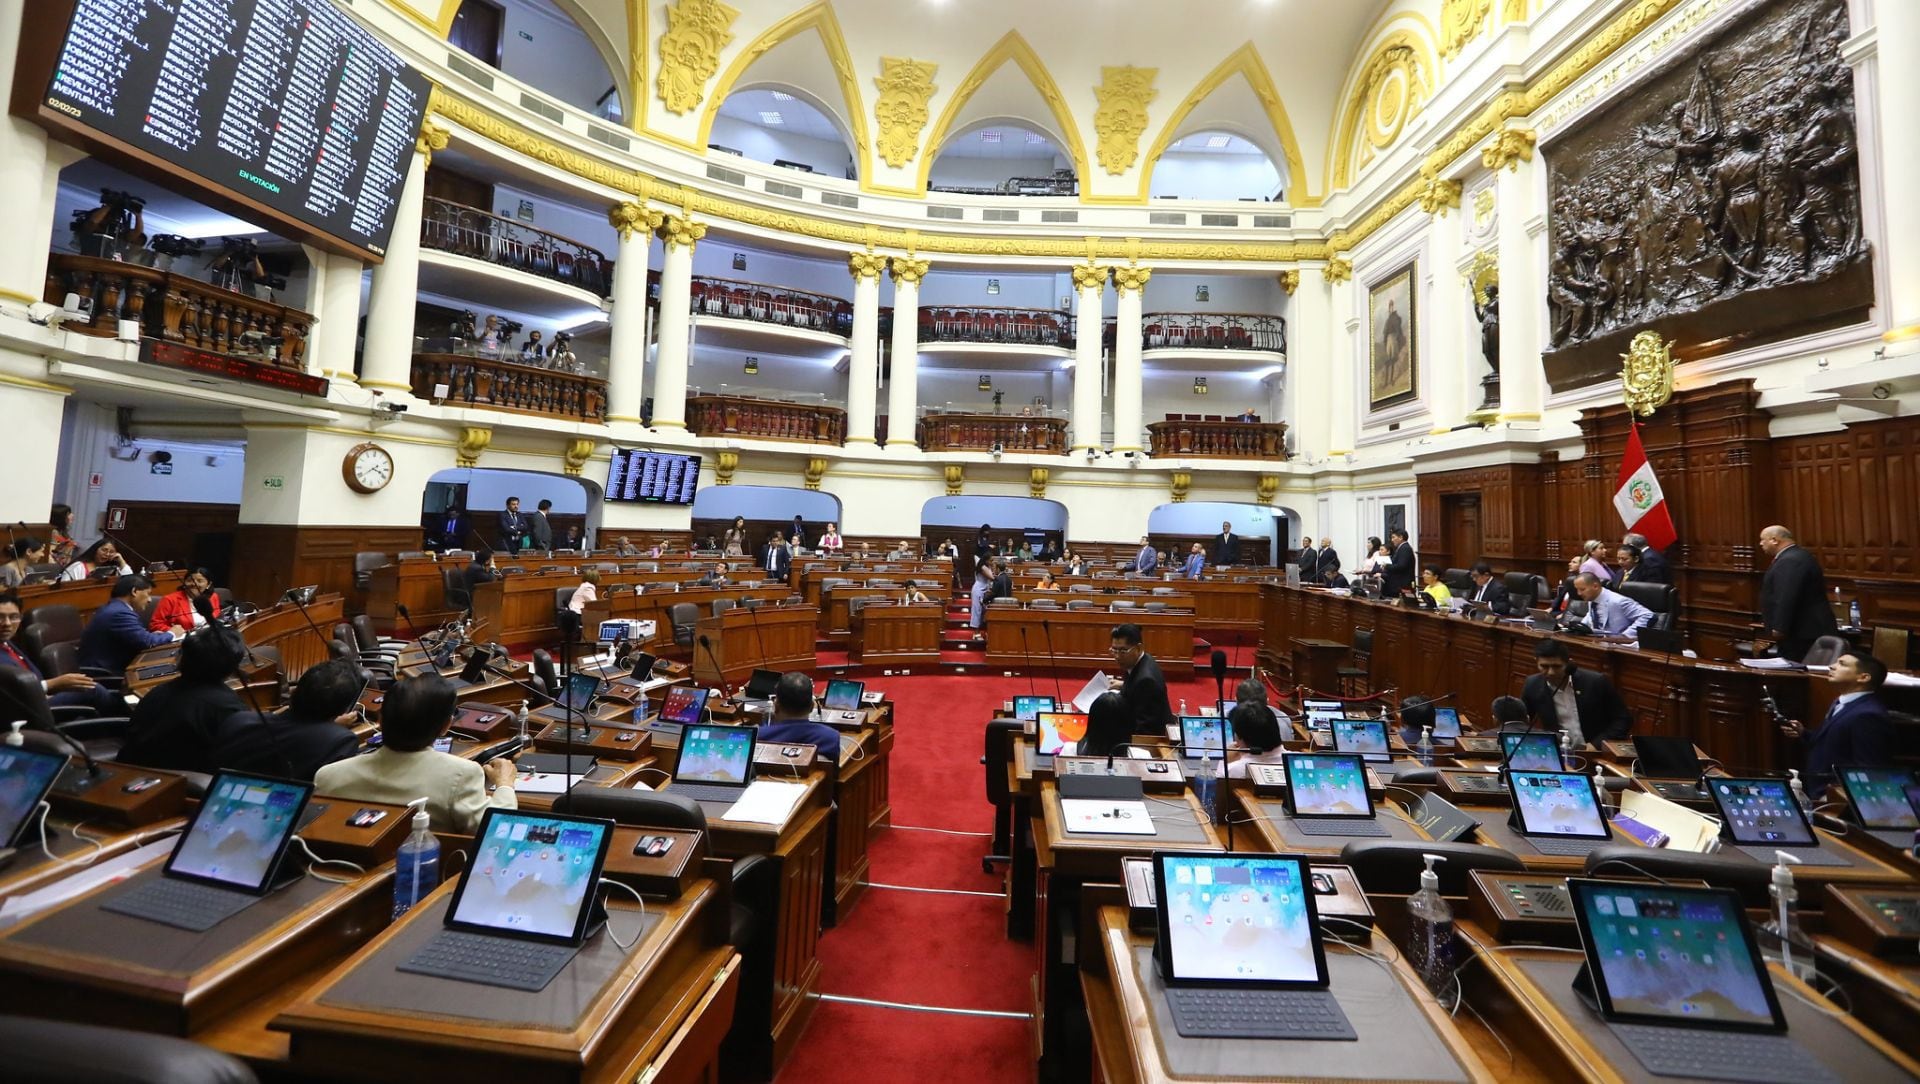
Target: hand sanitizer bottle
1425, 749
1785, 925
416, 866
1430, 939
1206, 786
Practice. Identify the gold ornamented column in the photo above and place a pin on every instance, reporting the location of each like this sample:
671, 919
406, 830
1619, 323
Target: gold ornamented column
627, 350
1517, 183
680, 233
863, 366
386, 364
1130, 283
903, 381
1090, 280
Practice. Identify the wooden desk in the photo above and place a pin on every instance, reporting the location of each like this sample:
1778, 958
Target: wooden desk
1221, 604
897, 634
1527, 994
1716, 705
32, 869
1885, 993
653, 605
1404, 1034
810, 573
657, 1010
742, 641
1082, 638
87, 596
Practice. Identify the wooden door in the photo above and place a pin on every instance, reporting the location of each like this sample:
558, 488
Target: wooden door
1460, 529
477, 29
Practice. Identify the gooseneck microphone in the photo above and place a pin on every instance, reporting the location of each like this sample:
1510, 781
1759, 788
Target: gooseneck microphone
726, 689
1219, 676
1053, 664
1026, 651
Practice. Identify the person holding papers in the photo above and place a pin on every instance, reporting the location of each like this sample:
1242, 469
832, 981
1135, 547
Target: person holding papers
1142, 686
417, 712
791, 722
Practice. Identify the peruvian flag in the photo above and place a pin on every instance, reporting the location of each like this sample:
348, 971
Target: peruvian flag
1637, 496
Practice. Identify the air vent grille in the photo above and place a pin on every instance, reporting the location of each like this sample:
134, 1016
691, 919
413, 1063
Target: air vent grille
610, 137
725, 175
469, 69
535, 105
1272, 222
999, 214
1059, 216
839, 199
1219, 220
1167, 218
782, 188
953, 214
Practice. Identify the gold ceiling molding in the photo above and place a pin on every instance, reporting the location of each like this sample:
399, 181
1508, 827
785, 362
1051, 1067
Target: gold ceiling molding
1461, 21
1508, 149
901, 111
956, 476
1339, 270
432, 137
639, 38
521, 141
628, 219
1246, 63
1266, 487
1290, 281
1514, 11
724, 464
1121, 116
1011, 46
1437, 194
1179, 484
819, 18
697, 30
1394, 83
909, 270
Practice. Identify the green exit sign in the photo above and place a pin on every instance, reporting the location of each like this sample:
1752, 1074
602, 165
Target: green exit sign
274, 481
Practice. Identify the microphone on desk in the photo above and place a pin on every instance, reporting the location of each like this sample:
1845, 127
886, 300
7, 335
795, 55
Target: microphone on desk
94, 770
725, 689
1032, 682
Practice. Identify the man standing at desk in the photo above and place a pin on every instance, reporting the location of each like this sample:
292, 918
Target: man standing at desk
792, 720
1309, 560
776, 559
1142, 685
1610, 613
1147, 560
540, 527
1329, 558
1487, 588
1398, 578
1196, 561
513, 526
1856, 731
1793, 596
1226, 546
1564, 697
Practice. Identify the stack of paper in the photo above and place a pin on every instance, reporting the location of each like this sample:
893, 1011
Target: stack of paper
1685, 829
1091, 691
1105, 816
765, 802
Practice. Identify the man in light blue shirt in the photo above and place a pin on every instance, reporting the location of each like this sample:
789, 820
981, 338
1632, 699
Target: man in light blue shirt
1147, 560
1610, 612
1196, 560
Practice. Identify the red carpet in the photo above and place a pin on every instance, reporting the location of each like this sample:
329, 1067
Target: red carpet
938, 950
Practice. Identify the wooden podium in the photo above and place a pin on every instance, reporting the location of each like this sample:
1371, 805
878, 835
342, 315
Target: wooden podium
740, 641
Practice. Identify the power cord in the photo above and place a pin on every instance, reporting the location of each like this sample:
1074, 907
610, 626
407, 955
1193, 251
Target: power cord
314, 860
631, 891
43, 811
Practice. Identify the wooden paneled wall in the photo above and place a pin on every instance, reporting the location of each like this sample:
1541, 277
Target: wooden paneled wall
182, 533
1852, 497
273, 557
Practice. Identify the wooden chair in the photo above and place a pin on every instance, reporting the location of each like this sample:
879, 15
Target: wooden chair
1356, 678
1890, 646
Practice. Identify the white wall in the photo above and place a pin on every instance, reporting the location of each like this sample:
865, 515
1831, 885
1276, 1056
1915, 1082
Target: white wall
714, 256
1214, 176
489, 489
1228, 393
1225, 293
767, 144
1205, 517
1016, 291
952, 171
88, 437
1003, 513
815, 508
552, 56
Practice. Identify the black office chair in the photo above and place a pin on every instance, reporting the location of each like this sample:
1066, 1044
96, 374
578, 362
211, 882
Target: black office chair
21, 697
722, 605
1356, 678
1746, 876
1657, 597
453, 591
682, 616
1520, 593
345, 646
1458, 581
564, 619
1002, 734
545, 675
1825, 650
57, 621
364, 563
1393, 866
372, 643
56, 1052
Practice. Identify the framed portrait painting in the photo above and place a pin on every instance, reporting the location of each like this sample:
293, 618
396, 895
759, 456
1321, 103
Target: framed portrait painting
1393, 363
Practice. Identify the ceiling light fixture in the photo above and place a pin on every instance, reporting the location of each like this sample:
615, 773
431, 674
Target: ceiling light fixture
989, 136
768, 116
1036, 138
1218, 141
782, 96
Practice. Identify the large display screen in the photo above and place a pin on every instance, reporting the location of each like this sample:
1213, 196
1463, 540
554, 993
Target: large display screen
652, 477
288, 103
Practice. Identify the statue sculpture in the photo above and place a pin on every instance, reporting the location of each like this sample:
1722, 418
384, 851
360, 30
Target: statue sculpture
1488, 313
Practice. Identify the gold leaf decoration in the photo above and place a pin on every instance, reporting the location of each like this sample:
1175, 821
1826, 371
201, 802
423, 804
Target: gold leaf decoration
1130, 278
905, 87
865, 265
1267, 488
471, 445
681, 230
816, 470
1485, 272
1090, 276
1182, 483
1390, 92
697, 30
1510, 147
956, 476
432, 137
1437, 194
1339, 270
724, 465
628, 219
578, 451
1289, 281
1460, 22
1123, 95
1646, 373
1037, 483
908, 269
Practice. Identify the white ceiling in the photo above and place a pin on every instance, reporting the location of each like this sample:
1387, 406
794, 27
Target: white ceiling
1205, 143
796, 116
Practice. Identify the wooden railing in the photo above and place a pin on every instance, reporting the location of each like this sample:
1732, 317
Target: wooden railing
1219, 439
492, 384
980, 432
179, 309
736, 299
765, 419
975, 324
469, 231
1206, 331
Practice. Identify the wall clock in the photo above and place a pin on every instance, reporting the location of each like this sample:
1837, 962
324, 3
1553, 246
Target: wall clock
368, 468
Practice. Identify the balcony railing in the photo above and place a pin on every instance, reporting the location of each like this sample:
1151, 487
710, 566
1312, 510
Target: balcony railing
778, 305
980, 432
1012, 327
1218, 439
178, 309
1062, 183
765, 419
447, 226
1206, 331
491, 383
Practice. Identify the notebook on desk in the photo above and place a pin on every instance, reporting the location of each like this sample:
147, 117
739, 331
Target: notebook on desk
25, 777
716, 762
1760, 816
228, 858
526, 904
1557, 812
1881, 802
1327, 795
1677, 975
1239, 949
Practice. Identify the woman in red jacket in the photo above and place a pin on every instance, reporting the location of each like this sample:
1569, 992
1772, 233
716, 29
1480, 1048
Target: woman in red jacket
188, 608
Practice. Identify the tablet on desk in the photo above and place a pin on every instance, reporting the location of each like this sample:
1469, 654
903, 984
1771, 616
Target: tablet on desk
1879, 797
25, 777
1557, 806
683, 704
1761, 816
1446, 724
1367, 737
1058, 731
844, 695
1026, 708
1203, 737
1531, 752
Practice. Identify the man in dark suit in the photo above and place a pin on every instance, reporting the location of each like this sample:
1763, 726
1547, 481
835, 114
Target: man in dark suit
513, 526
775, 558
1142, 685
1856, 731
1226, 546
540, 527
1793, 595
478, 571
1329, 558
178, 725
1400, 571
1653, 566
1582, 702
1002, 580
117, 632
1309, 561
315, 730
1488, 589
66, 690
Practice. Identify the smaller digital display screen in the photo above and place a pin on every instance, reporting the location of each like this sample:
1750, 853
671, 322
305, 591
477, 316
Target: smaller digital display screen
1059, 731
715, 754
1327, 785
1531, 752
683, 704
1027, 708
1761, 811
242, 827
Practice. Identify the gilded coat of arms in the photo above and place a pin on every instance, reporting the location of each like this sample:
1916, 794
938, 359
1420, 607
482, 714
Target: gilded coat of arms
1647, 373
